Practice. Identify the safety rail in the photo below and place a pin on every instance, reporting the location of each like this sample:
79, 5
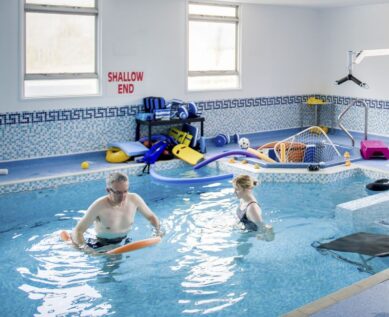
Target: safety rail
344, 112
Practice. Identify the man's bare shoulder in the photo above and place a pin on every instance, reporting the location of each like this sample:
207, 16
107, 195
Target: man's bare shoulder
133, 197
99, 203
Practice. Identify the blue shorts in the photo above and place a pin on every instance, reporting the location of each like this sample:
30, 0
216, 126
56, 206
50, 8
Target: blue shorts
96, 243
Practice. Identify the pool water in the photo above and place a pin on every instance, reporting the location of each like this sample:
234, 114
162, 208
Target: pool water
203, 266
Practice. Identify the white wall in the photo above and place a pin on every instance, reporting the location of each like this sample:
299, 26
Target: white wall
355, 28
280, 51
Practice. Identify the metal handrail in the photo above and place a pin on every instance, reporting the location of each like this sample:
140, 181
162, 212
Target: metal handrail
343, 113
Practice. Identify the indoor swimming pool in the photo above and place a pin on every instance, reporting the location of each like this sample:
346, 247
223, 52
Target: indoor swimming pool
204, 265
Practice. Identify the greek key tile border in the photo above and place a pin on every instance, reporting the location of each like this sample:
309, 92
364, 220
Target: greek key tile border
344, 101
28, 117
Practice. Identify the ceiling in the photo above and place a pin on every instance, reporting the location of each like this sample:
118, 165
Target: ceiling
314, 3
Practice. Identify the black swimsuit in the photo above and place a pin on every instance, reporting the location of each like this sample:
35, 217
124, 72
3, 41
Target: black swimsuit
248, 224
97, 242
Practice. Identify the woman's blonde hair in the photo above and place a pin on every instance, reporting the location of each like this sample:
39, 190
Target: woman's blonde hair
245, 182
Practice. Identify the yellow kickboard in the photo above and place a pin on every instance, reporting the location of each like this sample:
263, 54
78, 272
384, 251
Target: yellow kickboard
187, 154
180, 136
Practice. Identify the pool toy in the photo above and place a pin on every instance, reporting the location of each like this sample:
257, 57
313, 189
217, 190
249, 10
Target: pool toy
115, 155
260, 155
374, 148
322, 127
187, 154
65, 236
182, 112
313, 167
193, 110
314, 101
85, 165
347, 161
153, 103
119, 152
158, 137
244, 143
321, 147
193, 131
152, 155
131, 148
221, 140
224, 154
135, 245
194, 180
379, 185
202, 145
180, 136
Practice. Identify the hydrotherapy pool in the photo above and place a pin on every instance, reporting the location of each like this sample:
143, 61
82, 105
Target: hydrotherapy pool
203, 266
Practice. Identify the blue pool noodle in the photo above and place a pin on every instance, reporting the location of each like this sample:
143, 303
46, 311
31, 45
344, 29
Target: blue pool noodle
194, 180
228, 153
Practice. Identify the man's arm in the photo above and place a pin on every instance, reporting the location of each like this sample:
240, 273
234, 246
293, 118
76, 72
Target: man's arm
83, 225
147, 213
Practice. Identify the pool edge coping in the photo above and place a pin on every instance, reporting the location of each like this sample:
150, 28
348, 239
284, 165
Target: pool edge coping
339, 295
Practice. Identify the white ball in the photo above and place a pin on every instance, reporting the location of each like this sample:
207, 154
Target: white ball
244, 143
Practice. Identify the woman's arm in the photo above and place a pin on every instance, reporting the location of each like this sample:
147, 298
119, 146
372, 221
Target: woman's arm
265, 231
254, 214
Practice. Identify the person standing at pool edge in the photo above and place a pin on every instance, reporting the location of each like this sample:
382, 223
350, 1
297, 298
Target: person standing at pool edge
112, 215
249, 212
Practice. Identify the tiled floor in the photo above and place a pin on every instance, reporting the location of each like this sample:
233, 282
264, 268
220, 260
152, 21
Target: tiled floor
61, 165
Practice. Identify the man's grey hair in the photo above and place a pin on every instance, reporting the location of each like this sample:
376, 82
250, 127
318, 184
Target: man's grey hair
114, 178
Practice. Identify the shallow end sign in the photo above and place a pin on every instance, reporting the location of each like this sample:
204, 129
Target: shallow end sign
125, 81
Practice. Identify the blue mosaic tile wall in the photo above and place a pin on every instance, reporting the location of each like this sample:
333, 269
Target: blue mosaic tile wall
60, 132
354, 119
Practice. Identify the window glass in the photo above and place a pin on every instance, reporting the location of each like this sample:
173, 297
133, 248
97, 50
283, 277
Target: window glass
60, 43
213, 82
216, 50
58, 88
76, 3
214, 10
213, 47
60, 48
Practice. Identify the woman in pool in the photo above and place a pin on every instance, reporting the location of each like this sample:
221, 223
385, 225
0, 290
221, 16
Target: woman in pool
249, 212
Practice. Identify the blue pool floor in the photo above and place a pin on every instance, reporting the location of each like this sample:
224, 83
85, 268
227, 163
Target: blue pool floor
68, 164
367, 303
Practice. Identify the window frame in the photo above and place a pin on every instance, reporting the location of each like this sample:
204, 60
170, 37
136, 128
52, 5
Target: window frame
216, 19
60, 9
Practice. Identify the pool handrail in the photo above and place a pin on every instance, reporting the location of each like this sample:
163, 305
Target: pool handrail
344, 112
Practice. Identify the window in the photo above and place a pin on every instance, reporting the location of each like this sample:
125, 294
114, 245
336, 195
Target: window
60, 48
213, 46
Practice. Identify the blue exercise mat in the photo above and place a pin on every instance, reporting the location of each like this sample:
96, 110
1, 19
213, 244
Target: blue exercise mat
131, 148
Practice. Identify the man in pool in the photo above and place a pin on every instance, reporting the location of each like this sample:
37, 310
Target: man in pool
112, 215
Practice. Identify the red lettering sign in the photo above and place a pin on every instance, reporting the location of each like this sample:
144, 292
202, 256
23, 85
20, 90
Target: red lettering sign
123, 79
